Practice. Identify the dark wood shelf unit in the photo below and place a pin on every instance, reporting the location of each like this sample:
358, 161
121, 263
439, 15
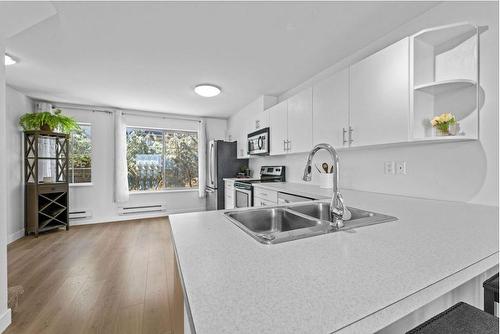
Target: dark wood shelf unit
46, 204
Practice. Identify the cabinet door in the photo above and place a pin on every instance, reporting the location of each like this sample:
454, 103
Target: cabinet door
260, 120
379, 99
262, 202
331, 110
242, 137
278, 127
228, 194
300, 122
242, 145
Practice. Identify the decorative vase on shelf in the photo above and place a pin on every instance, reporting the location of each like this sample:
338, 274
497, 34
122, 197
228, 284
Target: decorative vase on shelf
442, 132
445, 125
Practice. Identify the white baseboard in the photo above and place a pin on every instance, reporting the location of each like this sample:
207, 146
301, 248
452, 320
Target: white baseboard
14, 236
173, 212
5, 320
132, 217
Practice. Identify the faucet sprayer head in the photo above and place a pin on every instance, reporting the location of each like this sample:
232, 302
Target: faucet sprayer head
307, 171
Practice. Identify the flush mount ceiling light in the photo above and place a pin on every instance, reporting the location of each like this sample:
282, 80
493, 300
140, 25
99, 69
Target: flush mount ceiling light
9, 60
207, 90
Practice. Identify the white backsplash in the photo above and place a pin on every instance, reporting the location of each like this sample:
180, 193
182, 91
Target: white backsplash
437, 171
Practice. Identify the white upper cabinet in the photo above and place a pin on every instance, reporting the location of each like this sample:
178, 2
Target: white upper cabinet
278, 128
300, 122
379, 96
259, 117
250, 118
331, 110
242, 139
259, 121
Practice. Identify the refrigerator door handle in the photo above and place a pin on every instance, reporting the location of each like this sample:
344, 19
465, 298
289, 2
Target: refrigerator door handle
210, 162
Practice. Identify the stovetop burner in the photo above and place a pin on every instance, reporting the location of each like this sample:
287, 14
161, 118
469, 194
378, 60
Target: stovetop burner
268, 174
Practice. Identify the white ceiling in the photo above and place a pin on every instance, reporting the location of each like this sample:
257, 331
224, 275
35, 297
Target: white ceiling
149, 56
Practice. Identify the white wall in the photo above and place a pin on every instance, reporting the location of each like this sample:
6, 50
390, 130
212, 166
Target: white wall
17, 104
98, 197
452, 171
4, 311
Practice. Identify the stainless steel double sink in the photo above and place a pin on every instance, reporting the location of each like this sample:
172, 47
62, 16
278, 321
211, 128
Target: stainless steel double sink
271, 225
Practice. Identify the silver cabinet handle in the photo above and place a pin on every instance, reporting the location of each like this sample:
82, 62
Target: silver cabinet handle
344, 141
284, 145
289, 145
350, 135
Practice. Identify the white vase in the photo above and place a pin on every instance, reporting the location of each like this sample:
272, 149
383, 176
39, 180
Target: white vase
326, 180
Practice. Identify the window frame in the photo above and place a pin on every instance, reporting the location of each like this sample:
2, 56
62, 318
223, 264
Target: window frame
163, 130
83, 184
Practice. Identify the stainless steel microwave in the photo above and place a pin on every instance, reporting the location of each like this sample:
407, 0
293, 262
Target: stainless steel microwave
258, 142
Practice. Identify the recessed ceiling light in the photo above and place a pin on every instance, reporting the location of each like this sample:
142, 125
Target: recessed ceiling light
207, 90
9, 60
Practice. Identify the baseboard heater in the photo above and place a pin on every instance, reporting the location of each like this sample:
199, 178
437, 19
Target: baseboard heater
80, 214
141, 209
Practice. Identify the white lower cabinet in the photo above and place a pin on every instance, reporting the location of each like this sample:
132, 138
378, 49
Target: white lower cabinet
264, 197
229, 194
262, 202
266, 194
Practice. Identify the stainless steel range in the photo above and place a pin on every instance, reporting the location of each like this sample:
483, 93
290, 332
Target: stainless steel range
244, 189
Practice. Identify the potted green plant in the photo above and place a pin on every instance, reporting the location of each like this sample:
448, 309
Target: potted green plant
48, 121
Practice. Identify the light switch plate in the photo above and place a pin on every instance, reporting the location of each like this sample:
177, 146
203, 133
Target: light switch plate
389, 168
401, 167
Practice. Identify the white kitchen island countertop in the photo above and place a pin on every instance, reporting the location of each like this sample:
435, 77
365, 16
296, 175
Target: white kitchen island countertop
356, 281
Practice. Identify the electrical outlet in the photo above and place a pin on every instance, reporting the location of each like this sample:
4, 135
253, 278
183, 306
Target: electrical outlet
389, 167
401, 167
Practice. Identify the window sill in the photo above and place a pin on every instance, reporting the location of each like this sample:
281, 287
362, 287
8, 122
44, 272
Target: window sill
162, 191
86, 184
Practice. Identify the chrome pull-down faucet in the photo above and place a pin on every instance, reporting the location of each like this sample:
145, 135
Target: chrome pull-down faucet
338, 209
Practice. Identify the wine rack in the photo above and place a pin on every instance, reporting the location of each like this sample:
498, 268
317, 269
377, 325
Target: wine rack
46, 163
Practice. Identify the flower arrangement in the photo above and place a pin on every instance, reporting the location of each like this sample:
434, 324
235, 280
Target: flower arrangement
443, 123
48, 121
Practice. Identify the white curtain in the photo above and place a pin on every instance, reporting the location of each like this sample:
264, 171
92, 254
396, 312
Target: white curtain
121, 174
202, 157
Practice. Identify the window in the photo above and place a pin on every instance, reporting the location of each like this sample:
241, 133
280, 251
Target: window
80, 159
160, 159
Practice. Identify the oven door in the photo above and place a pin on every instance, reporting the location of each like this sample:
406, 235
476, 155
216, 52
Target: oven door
243, 198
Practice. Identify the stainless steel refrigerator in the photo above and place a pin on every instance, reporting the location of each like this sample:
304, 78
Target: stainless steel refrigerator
221, 163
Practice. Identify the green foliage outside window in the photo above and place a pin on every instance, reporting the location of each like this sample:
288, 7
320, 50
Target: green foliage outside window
161, 159
80, 158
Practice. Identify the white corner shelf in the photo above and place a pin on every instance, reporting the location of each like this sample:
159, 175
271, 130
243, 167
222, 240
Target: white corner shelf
444, 79
453, 32
441, 87
444, 139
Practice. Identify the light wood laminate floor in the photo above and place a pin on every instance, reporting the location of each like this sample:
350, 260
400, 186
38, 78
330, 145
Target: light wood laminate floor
103, 278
